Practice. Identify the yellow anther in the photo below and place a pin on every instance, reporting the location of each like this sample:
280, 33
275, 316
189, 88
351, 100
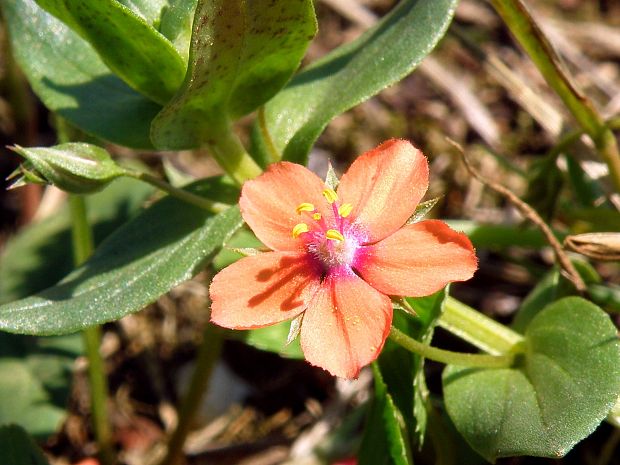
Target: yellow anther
330, 195
316, 216
345, 209
304, 207
300, 229
334, 235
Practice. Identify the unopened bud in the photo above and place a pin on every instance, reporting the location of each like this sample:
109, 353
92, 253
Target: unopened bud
78, 168
599, 246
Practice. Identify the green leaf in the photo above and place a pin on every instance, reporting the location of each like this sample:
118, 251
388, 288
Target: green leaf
36, 378
566, 384
126, 43
41, 254
242, 53
422, 210
176, 24
385, 439
149, 10
162, 247
71, 80
353, 73
17, 448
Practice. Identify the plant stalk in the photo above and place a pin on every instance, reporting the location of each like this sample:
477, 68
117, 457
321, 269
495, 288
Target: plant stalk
208, 354
478, 329
83, 246
181, 194
230, 154
448, 357
533, 40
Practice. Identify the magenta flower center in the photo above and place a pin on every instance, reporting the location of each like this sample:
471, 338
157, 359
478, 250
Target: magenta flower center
333, 242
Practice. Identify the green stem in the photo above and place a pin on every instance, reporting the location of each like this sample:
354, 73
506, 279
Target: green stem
208, 354
449, 357
230, 154
478, 329
274, 154
182, 194
83, 246
532, 39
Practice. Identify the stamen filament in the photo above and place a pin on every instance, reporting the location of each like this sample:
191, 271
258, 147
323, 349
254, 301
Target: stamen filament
330, 195
300, 229
334, 235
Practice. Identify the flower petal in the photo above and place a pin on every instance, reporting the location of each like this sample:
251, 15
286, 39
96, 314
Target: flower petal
345, 325
418, 260
384, 186
268, 203
263, 289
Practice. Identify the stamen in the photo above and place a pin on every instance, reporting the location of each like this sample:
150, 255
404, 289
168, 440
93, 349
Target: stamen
345, 209
304, 207
300, 229
330, 195
316, 216
334, 235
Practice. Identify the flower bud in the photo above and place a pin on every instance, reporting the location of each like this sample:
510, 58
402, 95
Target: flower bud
599, 246
78, 168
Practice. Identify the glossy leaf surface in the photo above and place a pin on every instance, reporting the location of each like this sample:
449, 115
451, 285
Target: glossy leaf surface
162, 247
71, 80
242, 53
567, 383
353, 73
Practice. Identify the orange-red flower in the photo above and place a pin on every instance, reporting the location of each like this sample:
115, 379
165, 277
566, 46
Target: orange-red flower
338, 255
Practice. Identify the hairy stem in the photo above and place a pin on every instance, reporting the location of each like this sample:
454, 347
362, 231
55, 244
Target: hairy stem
181, 194
230, 154
82, 248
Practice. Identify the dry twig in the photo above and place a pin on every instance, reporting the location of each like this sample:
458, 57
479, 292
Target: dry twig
531, 215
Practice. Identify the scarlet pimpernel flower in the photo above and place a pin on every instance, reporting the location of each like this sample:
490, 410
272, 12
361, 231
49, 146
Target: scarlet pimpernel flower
338, 255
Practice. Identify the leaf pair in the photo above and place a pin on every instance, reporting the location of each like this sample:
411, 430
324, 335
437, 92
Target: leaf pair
238, 60
242, 52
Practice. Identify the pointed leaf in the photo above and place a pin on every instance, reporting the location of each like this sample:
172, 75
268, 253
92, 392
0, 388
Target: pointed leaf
242, 53
164, 246
385, 439
353, 73
567, 383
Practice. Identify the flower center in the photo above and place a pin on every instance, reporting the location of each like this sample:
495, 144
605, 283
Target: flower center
333, 243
